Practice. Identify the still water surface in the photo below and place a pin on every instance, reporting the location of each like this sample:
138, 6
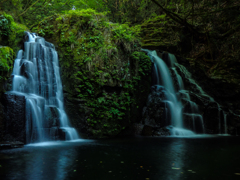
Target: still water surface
198, 158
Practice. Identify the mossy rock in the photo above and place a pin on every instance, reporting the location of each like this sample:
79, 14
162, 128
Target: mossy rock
6, 64
106, 77
160, 32
11, 33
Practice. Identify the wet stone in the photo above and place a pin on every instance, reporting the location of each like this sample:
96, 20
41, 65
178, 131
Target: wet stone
52, 117
14, 113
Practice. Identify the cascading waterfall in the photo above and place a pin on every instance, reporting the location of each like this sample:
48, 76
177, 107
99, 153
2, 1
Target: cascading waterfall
165, 71
164, 79
193, 83
222, 124
225, 123
36, 76
194, 113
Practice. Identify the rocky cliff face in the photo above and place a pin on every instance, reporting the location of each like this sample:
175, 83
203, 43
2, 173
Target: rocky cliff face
106, 79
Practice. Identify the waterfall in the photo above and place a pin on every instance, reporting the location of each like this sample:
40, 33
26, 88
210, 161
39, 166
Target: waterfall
36, 77
225, 123
163, 70
222, 121
199, 90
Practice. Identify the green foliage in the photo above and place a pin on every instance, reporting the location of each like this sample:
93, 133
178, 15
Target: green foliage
11, 33
6, 62
5, 25
96, 56
160, 31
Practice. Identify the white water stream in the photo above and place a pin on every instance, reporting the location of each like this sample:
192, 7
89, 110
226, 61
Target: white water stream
36, 76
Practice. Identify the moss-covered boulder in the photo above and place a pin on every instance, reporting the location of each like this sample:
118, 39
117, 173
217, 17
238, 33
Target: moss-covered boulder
106, 77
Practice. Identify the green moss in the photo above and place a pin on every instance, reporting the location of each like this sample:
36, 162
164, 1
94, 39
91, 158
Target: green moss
11, 33
101, 66
160, 31
5, 25
6, 57
6, 62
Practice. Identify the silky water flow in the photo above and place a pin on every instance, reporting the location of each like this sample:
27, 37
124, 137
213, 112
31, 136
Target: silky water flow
36, 76
163, 79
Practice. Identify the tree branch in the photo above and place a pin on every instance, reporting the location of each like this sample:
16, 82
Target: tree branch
28, 8
177, 18
231, 31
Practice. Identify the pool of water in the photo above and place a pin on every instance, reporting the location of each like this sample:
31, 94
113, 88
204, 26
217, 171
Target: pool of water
140, 158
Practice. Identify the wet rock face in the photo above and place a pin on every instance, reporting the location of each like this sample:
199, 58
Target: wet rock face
155, 112
51, 117
156, 131
14, 121
218, 116
14, 117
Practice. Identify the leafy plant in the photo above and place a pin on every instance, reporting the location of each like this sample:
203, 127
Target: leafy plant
5, 26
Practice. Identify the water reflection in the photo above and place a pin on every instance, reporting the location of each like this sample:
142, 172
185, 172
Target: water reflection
177, 151
48, 160
66, 160
139, 158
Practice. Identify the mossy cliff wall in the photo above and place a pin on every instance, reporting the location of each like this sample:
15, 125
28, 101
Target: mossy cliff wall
11, 40
106, 78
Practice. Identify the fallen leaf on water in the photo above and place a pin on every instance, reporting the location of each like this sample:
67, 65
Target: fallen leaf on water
141, 166
238, 174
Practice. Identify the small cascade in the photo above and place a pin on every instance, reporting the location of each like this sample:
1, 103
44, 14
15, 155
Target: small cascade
36, 77
187, 75
219, 119
225, 123
222, 121
162, 72
191, 110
